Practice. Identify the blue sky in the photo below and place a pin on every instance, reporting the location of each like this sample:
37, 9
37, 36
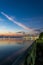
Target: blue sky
26, 12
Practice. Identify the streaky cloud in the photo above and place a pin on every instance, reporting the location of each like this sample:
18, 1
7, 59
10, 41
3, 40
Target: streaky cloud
15, 22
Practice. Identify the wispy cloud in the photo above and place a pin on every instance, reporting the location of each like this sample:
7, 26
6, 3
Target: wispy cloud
16, 22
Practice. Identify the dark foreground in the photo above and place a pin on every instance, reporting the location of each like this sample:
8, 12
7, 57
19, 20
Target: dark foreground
39, 54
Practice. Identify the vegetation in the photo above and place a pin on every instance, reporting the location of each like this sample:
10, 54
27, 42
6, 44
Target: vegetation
40, 40
35, 55
41, 36
39, 50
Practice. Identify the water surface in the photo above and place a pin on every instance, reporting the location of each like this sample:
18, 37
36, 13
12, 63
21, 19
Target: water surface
12, 48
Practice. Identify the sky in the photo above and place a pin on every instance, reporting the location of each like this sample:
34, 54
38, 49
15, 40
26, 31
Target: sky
20, 15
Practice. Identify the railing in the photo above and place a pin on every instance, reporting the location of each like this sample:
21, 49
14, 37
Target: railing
28, 57
32, 55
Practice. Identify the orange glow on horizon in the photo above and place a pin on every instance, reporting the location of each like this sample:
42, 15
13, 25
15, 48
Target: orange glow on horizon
11, 34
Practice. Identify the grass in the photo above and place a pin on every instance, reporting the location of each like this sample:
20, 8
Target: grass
39, 41
39, 52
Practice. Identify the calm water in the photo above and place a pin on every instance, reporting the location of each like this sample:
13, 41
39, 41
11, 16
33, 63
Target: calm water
12, 48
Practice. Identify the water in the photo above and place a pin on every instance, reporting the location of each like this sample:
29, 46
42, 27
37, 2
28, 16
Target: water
10, 49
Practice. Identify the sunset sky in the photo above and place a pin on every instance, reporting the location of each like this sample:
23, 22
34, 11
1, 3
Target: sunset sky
20, 15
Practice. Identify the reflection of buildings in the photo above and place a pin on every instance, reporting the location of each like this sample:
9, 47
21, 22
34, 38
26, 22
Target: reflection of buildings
27, 36
31, 37
34, 37
10, 37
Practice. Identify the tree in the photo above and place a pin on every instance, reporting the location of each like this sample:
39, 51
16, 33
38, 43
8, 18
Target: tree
41, 35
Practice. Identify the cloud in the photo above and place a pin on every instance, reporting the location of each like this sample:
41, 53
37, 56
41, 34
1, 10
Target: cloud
16, 22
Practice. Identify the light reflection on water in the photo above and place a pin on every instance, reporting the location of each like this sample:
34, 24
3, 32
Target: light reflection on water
8, 47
